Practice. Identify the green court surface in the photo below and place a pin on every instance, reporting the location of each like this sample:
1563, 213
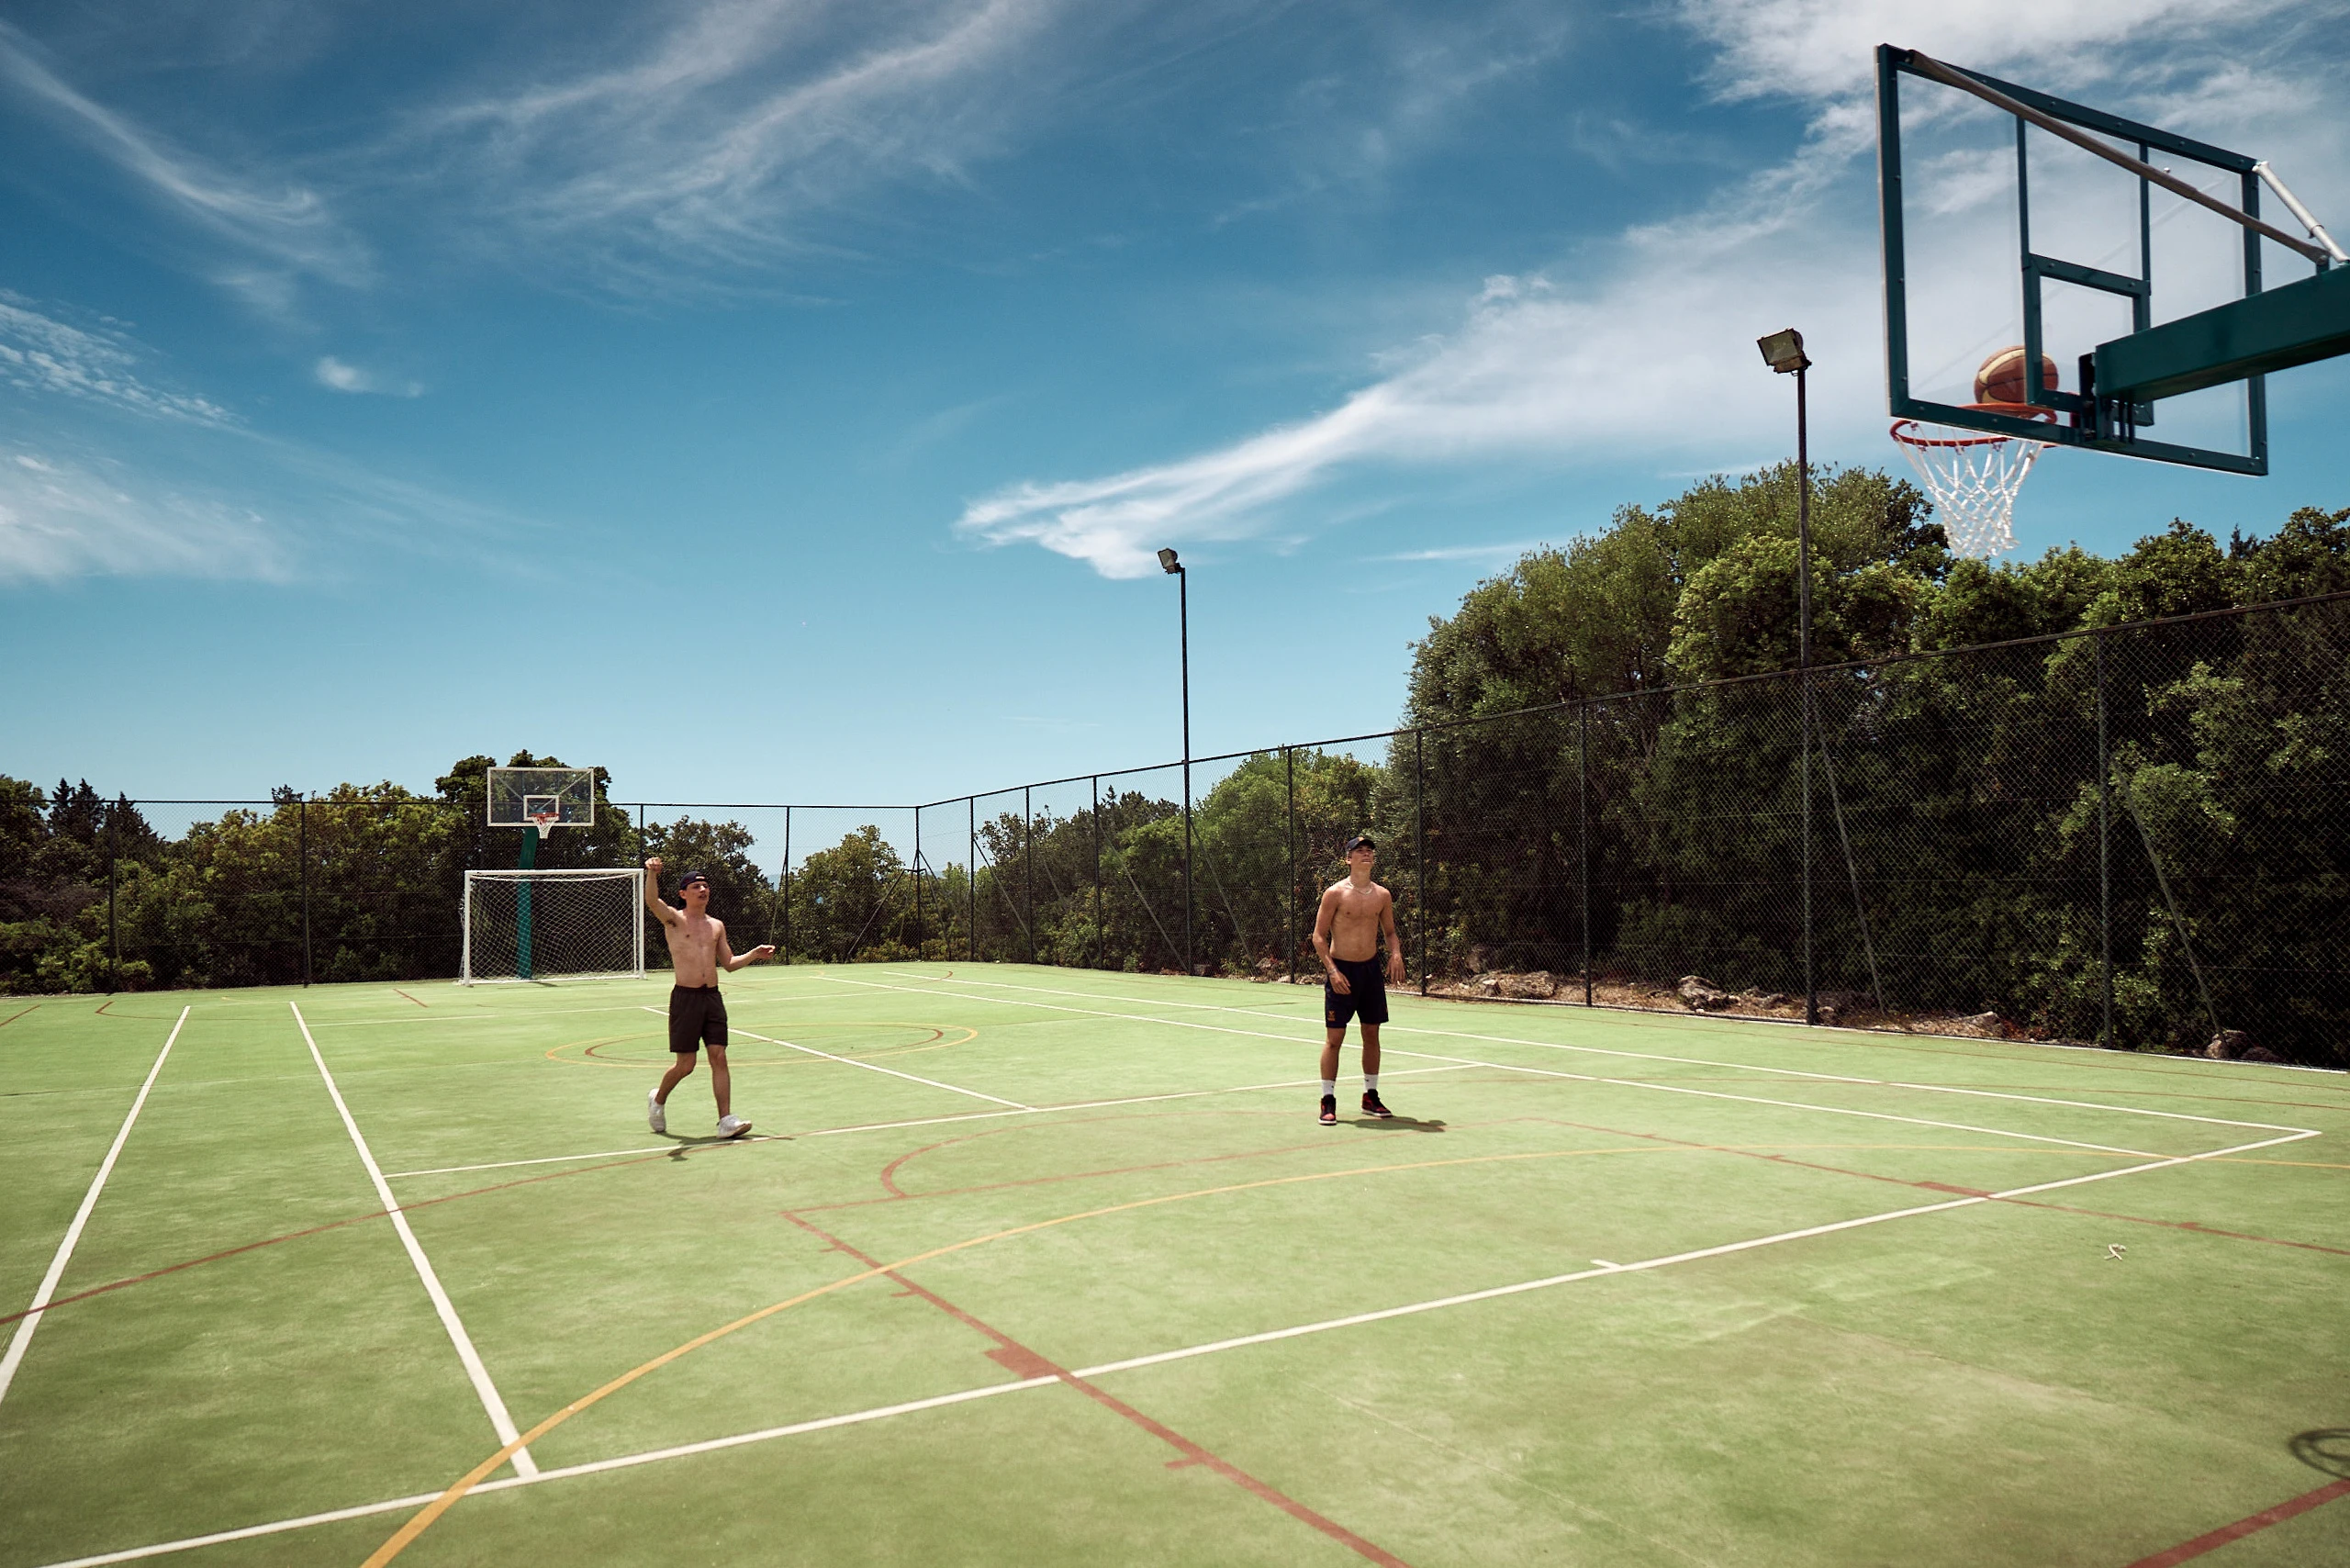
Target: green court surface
1043, 1266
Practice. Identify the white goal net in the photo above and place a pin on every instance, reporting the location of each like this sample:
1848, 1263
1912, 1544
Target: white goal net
540, 926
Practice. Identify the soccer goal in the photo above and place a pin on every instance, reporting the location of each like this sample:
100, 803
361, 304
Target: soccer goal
538, 925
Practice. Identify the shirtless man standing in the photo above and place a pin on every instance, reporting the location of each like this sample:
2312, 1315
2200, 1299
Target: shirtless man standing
697, 950
1355, 913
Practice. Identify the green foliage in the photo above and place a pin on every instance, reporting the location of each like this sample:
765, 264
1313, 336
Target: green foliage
853, 900
1961, 793
1610, 761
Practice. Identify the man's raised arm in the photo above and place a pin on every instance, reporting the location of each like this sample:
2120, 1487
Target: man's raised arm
662, 912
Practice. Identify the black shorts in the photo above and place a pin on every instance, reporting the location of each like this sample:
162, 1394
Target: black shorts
696, 1018
1368, 999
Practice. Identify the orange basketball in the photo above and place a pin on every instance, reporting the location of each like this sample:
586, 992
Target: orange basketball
2001, 379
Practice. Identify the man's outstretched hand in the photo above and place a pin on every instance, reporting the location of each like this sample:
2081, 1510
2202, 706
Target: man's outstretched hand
764, 950
653, 864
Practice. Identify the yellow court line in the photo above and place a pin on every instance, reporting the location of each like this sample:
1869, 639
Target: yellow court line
969, 1034
2301, 1164
423, 1519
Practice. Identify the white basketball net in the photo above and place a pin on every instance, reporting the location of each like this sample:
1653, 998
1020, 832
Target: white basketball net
1973, 477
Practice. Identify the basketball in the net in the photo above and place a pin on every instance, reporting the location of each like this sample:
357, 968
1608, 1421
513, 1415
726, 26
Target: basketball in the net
2001, 379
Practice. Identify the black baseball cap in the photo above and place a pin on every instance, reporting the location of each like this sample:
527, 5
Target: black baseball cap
1360, 841
690, 878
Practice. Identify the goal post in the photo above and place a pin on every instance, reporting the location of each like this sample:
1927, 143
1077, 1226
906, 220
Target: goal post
540, 926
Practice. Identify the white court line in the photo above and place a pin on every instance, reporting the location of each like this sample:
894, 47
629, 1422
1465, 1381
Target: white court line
1636, 1055
23, 1337
870, 1066
1158, 1357
1584, 1077
930, 1120
393, 1504
499, 1420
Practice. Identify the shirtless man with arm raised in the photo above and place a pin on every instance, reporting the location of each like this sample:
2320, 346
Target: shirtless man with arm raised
1354, 914
697, 950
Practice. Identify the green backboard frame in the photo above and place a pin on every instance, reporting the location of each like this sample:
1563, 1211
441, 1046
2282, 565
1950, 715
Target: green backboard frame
2123, 379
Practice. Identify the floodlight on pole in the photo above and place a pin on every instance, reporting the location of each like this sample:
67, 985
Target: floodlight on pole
1173, 568
1783, 352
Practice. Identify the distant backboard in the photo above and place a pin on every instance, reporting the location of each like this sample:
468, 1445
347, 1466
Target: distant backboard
521, 797
2023, 221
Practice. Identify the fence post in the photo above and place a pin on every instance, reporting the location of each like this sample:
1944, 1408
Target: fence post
785, 952
1028, 864
2104, 853
1100, 938
303, 850
1289, 854
1583, 830
971, 812
917, 883
1811, 979
114, 936
1420, 853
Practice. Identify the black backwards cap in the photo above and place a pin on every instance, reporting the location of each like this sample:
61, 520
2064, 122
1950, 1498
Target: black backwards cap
1360, 841
690, 878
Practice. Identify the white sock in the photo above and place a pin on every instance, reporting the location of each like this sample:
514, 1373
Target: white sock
1371, 1083
1331, 1087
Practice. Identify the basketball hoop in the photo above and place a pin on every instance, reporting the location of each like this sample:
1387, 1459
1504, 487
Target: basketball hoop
545, 821
1974, 475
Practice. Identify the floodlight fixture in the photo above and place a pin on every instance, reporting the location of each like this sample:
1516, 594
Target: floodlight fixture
1783, 352
1167, 564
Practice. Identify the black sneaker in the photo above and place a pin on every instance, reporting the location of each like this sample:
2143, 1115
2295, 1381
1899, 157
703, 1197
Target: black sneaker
1330, 1110
1374, 1106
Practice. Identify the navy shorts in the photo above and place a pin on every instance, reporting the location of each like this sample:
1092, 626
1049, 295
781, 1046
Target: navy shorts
696, 1018
1366, 1002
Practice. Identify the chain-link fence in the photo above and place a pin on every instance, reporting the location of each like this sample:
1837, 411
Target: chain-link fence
2134, 834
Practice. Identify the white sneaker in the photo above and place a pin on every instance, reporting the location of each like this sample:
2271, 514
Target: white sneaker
732, 1126
655, 1116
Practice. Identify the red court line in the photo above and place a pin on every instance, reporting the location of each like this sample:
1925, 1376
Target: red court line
2252, 1525
890, 1171
18, 1014
1022, 1361
398, 992
682, 1152
2197, 1226
898, 1194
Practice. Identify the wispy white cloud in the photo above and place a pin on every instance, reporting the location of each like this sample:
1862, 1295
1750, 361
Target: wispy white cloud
1467, 552
740, 116
40, 353
1641, 348
341, 375
60, 518
105, 473
1816, 50
289, 229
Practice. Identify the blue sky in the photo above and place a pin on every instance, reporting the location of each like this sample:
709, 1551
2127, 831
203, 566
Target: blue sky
778, 400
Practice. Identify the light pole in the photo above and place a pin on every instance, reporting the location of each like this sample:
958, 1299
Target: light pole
1169, 564
1783, 352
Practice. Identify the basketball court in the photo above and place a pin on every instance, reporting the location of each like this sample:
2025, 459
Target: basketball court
1055, 1266
1051, 1266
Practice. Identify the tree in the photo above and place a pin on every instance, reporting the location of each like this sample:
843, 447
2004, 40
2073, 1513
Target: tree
852, 901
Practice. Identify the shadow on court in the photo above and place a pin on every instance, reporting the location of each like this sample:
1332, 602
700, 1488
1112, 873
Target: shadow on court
2327, 1450
1392, 1124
